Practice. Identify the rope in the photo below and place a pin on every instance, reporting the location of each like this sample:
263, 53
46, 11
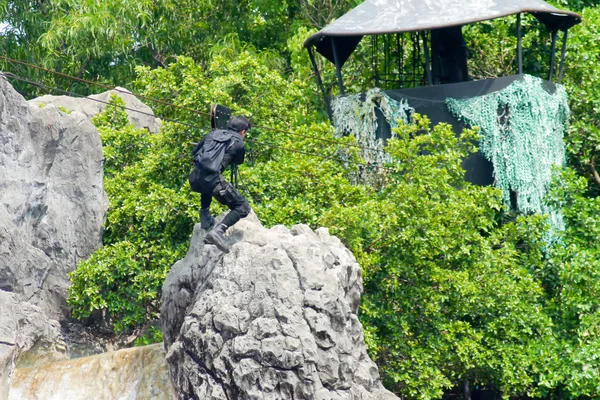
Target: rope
160, 101
47, 87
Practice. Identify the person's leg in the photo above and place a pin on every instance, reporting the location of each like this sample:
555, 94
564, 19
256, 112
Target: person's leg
239, 208
205, 200
206, 220
232, 198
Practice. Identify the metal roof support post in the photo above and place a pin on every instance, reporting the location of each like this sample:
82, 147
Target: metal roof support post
562, 57
399, 53
338, 67
388, 60
318, 77
553, 54
375, 48
427, 60
519, 44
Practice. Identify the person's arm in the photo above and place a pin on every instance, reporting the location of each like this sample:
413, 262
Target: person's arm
234, 154
240, 154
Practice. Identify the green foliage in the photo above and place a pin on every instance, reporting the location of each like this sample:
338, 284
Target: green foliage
576, 284
249, 82
448, 291
25, 23
582, 77
574, 5
122, 144
153, 335
493, 47
288, 187
106, 40
148, 226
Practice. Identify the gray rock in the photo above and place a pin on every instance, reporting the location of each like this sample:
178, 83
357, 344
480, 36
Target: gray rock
52, 208
273, 319
140, 115
51, 178
23, 326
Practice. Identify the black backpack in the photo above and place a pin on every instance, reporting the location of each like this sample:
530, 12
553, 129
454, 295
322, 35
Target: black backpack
210, 155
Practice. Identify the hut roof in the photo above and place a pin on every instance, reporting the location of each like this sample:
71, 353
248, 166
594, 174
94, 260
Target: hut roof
378, 17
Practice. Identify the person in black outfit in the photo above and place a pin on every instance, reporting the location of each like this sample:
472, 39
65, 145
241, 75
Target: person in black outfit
212, 184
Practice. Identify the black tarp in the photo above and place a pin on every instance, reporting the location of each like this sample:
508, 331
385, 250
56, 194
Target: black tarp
431, 101
378, 17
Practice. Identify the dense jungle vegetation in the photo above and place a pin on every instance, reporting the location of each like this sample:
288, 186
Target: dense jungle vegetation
457, 287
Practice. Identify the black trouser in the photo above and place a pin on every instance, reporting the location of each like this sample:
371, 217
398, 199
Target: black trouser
227, 195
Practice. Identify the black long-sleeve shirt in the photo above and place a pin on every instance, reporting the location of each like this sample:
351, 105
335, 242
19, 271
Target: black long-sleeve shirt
235, 153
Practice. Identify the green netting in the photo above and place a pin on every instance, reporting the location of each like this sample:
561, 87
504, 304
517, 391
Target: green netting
355, 115
522, 131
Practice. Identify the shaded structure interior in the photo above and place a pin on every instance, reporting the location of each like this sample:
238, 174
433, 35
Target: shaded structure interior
419, 56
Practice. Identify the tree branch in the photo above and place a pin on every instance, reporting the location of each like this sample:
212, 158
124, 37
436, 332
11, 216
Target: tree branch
42, 7
595, 173
156, 55
84, 66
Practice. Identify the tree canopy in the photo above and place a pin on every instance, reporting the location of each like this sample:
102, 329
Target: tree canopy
457, 287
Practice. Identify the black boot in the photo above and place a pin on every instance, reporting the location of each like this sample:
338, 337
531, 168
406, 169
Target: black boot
216, 237
206, 220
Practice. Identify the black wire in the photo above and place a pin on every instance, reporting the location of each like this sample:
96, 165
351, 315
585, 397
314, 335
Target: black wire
42, 85
108, 87
182, 107
39, 84
314, 137
332, 158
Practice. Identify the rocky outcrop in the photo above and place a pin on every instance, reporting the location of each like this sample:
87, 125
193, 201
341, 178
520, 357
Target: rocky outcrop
137, 373
140, 115
23, 325
273, 319
52, 208
30, 298
51, 178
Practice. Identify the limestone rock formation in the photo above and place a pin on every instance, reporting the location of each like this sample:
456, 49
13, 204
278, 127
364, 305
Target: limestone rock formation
51, 177
52, 208
30, 297
140, 115
273, 319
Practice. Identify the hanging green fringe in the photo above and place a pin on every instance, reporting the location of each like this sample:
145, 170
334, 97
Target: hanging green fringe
522, 129
356, 117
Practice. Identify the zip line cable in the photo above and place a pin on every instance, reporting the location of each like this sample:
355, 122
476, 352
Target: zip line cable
108, 87
333, 158
47, 87
44, 86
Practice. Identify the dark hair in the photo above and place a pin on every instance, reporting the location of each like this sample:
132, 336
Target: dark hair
238, 123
